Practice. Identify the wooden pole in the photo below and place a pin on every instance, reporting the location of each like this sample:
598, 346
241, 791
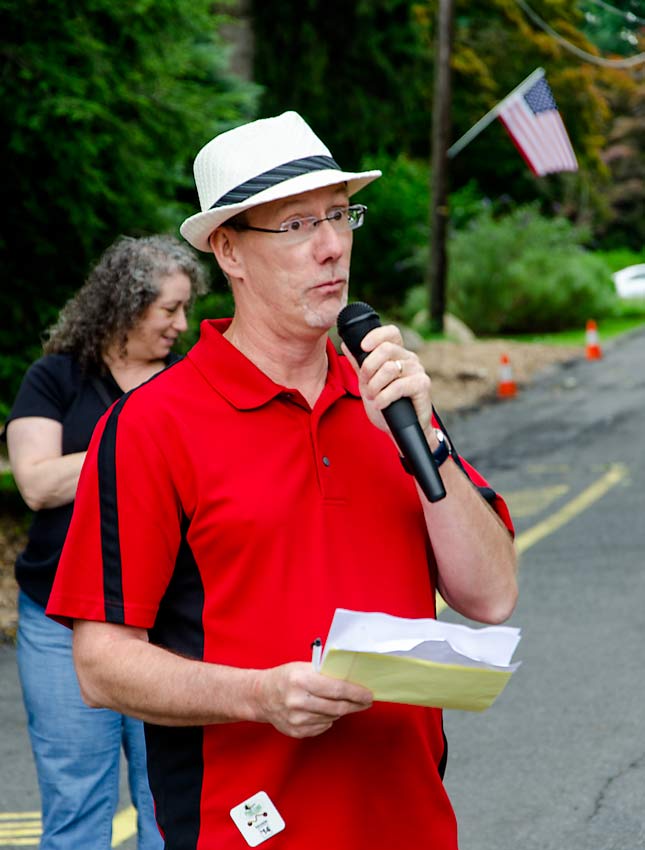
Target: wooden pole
439, 213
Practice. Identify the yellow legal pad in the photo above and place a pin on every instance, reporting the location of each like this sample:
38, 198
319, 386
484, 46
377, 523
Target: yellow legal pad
414, 681
465, 677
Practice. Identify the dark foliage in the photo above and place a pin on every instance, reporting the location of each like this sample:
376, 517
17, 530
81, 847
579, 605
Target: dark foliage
103, 107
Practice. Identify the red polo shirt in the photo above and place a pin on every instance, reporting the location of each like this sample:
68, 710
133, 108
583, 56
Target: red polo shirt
221, 513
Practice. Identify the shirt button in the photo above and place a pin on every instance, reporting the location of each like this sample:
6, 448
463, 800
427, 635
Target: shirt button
326, 460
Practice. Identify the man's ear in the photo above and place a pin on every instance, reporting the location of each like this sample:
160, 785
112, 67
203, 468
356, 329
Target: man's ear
224, 247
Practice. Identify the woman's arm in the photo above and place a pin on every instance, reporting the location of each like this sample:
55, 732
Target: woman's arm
45, 476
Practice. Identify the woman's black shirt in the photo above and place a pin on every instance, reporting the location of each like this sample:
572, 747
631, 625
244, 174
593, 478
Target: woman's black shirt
54, 387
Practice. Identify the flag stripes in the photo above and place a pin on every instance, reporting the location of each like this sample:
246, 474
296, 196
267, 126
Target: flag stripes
533, 121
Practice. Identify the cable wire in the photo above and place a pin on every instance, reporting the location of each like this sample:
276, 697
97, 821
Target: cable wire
630, 62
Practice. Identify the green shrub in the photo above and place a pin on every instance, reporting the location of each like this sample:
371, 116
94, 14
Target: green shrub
525, 273
397, 229
396, 224
466, 204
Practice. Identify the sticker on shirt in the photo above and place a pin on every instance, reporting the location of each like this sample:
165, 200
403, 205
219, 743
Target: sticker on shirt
257, 819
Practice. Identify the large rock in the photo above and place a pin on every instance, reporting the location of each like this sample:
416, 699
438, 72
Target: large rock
455, 329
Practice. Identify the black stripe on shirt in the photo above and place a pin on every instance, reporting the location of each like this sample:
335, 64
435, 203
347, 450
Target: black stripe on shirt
109, 506
444, 755
109, 514
176, 754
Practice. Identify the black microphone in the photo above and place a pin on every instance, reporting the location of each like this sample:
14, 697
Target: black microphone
354, 322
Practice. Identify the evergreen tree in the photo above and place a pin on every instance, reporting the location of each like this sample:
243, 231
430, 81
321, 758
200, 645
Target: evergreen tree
104, 105
614, 26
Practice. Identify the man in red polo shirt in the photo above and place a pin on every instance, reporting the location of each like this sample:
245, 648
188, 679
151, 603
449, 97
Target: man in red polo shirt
230, 505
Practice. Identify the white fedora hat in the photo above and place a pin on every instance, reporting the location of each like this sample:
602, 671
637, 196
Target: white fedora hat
259, 162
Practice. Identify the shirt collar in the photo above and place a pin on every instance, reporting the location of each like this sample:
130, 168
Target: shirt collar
240, 381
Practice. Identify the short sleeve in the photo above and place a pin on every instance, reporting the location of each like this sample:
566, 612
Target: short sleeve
46, 390
493, 498
124, 538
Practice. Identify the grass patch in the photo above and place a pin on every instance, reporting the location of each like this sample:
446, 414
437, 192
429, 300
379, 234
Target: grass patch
607, 329
620, 258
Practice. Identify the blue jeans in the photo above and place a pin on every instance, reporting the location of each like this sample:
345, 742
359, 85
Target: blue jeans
77, 749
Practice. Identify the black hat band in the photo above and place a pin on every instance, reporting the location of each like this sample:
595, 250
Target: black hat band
274, 176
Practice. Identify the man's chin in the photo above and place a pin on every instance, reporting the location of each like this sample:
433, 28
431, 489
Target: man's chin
323, 320
323, 316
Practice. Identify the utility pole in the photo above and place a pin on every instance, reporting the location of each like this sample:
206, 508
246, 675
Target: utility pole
438, 264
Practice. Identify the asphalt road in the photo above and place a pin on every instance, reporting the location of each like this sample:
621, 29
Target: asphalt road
19, 798
558, 762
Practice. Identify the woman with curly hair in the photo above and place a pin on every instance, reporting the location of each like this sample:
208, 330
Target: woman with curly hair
115, 333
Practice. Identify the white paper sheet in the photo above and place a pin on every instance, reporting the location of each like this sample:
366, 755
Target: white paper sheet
433, 640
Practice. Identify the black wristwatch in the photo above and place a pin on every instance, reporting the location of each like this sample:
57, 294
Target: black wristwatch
440, 454
443, 451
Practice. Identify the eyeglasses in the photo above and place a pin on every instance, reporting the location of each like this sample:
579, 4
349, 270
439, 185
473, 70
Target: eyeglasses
297, 230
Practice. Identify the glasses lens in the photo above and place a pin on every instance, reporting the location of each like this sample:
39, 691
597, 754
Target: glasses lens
300, 229
355, 216
297, 225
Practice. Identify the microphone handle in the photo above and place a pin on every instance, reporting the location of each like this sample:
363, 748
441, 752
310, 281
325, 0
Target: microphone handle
354, 322
408, 434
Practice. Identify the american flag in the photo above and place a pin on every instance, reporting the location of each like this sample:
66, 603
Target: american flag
534, 123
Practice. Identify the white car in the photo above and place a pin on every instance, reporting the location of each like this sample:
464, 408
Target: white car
630, 281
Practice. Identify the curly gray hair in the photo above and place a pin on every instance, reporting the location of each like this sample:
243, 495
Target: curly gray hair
124, 282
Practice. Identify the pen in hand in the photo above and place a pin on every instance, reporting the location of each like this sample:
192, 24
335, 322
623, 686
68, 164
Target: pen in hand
316, 653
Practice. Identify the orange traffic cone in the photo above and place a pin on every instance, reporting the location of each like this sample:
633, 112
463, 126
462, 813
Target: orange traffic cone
506, 388
593, 351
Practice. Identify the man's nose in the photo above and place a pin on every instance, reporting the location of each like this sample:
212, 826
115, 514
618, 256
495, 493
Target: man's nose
330, 242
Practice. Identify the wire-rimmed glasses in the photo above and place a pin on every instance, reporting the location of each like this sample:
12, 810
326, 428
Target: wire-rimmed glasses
302, 228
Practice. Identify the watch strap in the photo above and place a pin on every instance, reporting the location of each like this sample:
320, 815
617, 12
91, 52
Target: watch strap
440, 454
443, 451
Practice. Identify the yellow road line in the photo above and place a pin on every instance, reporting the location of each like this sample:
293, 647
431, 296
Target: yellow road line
616, 473
23, 829
20, 829
124, 826
527, 503
576, 506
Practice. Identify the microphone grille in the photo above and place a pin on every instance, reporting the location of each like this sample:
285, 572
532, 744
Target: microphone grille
354, 321
352, 312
